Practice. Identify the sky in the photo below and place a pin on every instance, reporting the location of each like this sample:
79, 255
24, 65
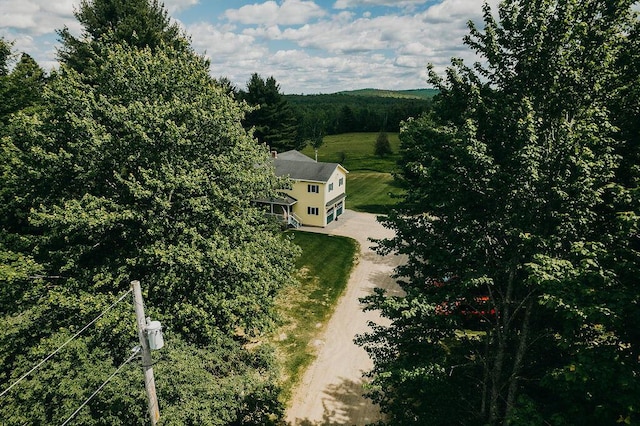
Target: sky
308, 46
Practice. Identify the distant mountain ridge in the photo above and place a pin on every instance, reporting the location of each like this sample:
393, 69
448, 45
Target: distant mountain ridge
405, 94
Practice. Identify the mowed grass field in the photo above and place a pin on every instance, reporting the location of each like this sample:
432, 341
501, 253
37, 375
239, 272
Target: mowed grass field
323, 272
370, 182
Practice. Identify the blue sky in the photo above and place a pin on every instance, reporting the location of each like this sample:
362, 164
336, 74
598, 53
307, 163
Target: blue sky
309, 46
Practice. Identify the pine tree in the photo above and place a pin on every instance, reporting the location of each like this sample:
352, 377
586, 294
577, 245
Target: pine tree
383, 147
273, 121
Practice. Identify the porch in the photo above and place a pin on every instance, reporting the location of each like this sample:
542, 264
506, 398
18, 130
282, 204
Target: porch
282, 209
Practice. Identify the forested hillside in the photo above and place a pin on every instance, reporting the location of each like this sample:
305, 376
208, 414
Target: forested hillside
403, 94
348, 113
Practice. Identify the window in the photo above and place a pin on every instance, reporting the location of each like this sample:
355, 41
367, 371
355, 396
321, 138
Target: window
341, 182
330, 187
313, 188
312, 211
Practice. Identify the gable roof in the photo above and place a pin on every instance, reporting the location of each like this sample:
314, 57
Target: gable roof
294, 156
298, 166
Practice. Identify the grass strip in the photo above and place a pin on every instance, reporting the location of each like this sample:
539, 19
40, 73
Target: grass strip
305, 307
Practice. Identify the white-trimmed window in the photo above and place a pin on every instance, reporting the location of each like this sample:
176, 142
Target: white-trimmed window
331, 187
312, 211
341, 182
313, 188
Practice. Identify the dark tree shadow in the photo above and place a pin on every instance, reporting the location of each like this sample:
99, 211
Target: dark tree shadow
344, 404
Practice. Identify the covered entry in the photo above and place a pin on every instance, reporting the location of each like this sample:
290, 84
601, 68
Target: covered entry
282, 208
335, 208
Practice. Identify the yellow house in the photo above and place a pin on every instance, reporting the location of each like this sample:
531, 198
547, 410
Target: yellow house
318, 193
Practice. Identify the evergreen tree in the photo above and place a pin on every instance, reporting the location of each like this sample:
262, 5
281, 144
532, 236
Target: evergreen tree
272, 120
382, 147
346, 120
5, 54
22, 87
516, 225
137, 23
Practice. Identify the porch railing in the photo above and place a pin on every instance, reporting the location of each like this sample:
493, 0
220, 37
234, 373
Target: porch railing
291, 219
294, 220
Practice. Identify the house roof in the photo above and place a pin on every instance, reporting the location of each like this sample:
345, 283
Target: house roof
294, 155
335, 200
285, 200
298, 166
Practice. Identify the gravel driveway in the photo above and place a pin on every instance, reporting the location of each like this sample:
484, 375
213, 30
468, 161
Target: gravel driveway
330, 392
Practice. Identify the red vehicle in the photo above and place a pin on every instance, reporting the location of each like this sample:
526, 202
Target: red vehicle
472, 310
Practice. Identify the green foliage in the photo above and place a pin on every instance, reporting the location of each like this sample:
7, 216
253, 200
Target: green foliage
220, 384
383, 147
5, 55
272, 120
515, 193
146, 173
404, 94
134, 165
21, 87
136, 23
350, 112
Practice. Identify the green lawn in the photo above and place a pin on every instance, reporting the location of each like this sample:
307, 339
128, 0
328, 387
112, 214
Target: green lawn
369, 183
323, 272
355, 152
371, 192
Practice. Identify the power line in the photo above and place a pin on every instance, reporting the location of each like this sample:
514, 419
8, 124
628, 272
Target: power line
136, 350
65, 343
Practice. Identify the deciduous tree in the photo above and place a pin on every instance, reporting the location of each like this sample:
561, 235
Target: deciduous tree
516, 219
145, 172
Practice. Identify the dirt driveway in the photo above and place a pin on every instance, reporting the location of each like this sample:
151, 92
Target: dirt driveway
330, 392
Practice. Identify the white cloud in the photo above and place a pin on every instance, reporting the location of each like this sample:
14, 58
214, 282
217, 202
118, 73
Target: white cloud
222, 45
345, 51
269, 33
290, 12
318, 74
174, 6
455, 11
346, 4
37, 17
304, 47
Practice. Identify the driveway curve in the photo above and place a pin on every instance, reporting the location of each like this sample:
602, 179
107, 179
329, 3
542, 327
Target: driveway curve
330, 392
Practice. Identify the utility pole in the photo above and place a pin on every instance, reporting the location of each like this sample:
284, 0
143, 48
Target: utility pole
149, 381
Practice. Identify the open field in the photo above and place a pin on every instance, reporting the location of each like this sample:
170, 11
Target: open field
355, 152
369, 183
369, 192
323, 271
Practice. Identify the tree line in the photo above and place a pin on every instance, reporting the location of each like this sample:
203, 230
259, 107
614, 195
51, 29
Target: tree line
343, 113
285, 122
520, 226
